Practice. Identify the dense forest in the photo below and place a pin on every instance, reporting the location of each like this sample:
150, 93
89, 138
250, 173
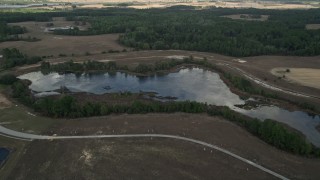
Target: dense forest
206, 30
13, 57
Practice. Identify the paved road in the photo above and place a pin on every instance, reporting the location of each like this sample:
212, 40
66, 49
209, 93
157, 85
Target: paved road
29, 137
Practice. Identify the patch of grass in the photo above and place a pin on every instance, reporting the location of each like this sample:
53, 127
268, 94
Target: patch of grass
18, 118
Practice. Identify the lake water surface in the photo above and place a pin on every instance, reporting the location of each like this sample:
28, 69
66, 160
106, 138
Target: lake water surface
193, 84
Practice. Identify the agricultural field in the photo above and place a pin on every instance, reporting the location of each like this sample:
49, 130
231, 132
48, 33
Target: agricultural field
304, 76
55, 45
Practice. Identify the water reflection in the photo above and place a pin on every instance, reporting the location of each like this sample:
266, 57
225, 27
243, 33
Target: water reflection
188, 84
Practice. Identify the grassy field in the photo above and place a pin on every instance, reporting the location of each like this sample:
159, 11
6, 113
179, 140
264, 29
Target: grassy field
304, 76
19, 118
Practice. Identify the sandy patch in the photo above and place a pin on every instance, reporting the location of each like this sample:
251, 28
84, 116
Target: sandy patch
313, 26
304, 76
4, 102
86, 156
239, 60
176, 57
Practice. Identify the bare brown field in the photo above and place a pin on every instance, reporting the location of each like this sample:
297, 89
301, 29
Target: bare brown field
304, 76
128, 158
55, 45
313, 26
247, 17
202, 127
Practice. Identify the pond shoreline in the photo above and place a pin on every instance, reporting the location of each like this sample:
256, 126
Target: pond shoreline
207, 86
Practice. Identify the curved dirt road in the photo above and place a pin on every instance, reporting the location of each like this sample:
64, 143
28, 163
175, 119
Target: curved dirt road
29, 137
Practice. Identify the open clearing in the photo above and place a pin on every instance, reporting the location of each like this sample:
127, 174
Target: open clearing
135, 158
56, 45
247, 17
304, 76
313, 26
157, 158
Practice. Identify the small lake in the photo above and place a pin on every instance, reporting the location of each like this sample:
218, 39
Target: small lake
193, 84
3, 155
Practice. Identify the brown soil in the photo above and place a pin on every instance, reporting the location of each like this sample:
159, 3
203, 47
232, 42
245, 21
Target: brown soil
135, 158
4, 102
55, 45
202, 127
261, 66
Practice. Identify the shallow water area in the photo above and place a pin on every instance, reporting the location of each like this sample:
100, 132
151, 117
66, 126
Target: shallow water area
4, 153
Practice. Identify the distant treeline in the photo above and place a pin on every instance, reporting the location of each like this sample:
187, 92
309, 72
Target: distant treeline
201, 30
71, 66
66, 106
10, 33
13, 57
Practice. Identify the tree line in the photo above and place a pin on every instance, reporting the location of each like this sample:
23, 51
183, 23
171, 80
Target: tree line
10, 33
71, 66
13, 57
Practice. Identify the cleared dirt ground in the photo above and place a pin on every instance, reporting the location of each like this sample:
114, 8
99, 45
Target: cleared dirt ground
55, 45
304, 76
261, 67
128, 159
313, 26
4, 102
202, 127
